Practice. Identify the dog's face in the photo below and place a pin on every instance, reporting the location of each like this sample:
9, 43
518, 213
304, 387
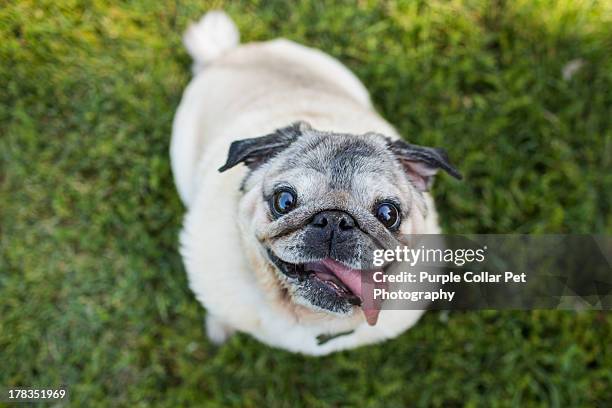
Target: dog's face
316, 205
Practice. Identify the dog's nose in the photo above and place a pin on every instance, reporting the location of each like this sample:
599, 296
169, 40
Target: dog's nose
333, 220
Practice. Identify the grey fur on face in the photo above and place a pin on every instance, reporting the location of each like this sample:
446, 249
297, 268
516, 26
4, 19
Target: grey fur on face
342, 176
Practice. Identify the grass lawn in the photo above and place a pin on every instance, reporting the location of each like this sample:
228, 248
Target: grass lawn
92, 290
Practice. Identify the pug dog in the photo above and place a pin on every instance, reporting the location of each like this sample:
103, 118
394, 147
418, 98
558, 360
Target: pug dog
291, 180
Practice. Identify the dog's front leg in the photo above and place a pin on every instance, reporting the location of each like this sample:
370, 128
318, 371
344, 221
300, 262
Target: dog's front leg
217, 331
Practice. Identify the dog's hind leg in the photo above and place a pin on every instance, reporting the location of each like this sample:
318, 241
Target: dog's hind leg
217, 331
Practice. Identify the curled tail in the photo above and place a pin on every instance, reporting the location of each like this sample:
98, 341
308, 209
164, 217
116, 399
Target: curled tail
210, 37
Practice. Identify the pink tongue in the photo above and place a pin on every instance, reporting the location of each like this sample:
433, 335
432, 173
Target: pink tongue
353, 280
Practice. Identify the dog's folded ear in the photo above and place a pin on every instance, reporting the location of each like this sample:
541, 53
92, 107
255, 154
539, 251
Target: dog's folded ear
256, 151
422, 163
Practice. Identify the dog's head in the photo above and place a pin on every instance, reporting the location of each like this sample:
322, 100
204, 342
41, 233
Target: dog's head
316, 205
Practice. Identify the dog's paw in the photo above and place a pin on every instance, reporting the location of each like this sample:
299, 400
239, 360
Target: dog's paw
217, 332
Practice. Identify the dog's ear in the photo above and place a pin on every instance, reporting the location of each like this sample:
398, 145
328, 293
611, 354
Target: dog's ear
422, 163
256, 151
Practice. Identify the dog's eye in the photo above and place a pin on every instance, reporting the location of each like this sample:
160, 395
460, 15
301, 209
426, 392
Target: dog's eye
283, 201
388, 215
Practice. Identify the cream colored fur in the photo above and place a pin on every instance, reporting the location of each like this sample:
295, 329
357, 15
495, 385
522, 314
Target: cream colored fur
242, 91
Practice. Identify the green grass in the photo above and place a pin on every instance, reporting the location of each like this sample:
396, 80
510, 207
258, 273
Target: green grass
93, 293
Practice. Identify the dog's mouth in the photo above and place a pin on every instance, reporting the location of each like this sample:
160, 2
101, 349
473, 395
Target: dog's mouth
333, 278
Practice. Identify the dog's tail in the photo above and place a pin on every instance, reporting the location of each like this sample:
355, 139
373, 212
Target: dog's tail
209, 38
